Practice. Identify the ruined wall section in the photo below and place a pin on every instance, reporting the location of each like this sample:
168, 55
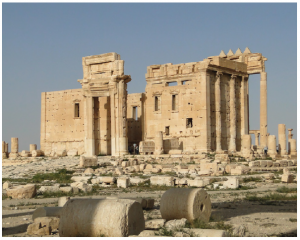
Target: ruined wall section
178, 111
62, 124
135, 118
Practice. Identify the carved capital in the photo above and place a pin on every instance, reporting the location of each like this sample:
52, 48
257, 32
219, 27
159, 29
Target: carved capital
218, 74
233, 76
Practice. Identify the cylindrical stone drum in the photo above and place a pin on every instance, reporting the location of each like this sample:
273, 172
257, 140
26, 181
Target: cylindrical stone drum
47, 212
272, 144
32, 147
37, 153
96, 217
14, 145
192, 203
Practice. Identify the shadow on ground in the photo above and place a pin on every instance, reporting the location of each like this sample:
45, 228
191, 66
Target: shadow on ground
15, 230
17, 214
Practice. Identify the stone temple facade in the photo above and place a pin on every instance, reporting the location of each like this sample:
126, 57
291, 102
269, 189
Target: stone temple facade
186, 108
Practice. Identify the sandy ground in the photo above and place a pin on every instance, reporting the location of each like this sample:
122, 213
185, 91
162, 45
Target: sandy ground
258, 218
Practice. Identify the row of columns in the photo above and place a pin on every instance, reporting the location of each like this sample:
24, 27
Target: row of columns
14, 151
244, 111
283, 150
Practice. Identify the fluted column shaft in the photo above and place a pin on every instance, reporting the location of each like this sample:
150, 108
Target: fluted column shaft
263, 110
218, 112
232, 144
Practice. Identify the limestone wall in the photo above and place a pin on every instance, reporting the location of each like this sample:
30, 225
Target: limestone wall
60, 127
178, 111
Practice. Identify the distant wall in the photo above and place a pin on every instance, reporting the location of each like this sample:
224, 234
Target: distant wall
60, 128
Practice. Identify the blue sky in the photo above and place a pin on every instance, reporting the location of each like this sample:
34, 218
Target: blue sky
43, 45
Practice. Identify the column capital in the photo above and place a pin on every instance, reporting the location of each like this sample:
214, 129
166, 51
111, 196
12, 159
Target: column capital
218, 74
233, 76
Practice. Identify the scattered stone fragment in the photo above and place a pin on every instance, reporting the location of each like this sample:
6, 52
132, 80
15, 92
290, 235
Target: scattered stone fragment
178, 203
21, 192
94, 217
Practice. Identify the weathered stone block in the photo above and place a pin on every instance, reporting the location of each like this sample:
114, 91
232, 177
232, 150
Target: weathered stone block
232, 183
154, 224
21, 192
123, 182
162, 180
88, 161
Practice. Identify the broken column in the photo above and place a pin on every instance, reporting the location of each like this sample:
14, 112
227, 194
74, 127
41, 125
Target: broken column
232, 142
263, 110
32, 147
282, 139
293, 147
177, 203
14, 145
218, 112
4, 154
290, 135
272, 146
37, 153
3, 146
14, 148
6, 148
96, 217
246, 145
159, 148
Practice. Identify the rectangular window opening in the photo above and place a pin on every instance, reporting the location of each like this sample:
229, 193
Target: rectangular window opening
76, 110
189, 123
157, 103
185, 82
170, 84
174, 104
167, 130
135, 113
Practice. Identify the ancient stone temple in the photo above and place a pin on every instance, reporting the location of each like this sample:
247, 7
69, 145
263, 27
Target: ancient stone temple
191, 107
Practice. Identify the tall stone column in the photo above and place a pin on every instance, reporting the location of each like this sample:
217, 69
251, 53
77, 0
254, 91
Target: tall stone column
282, 139
290, 136
232, 143
218, 112
159, 144
263, 110
256, 139
244, 106
89, 122
204, 109
113, 116
14, 145
272, 145
122, 119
